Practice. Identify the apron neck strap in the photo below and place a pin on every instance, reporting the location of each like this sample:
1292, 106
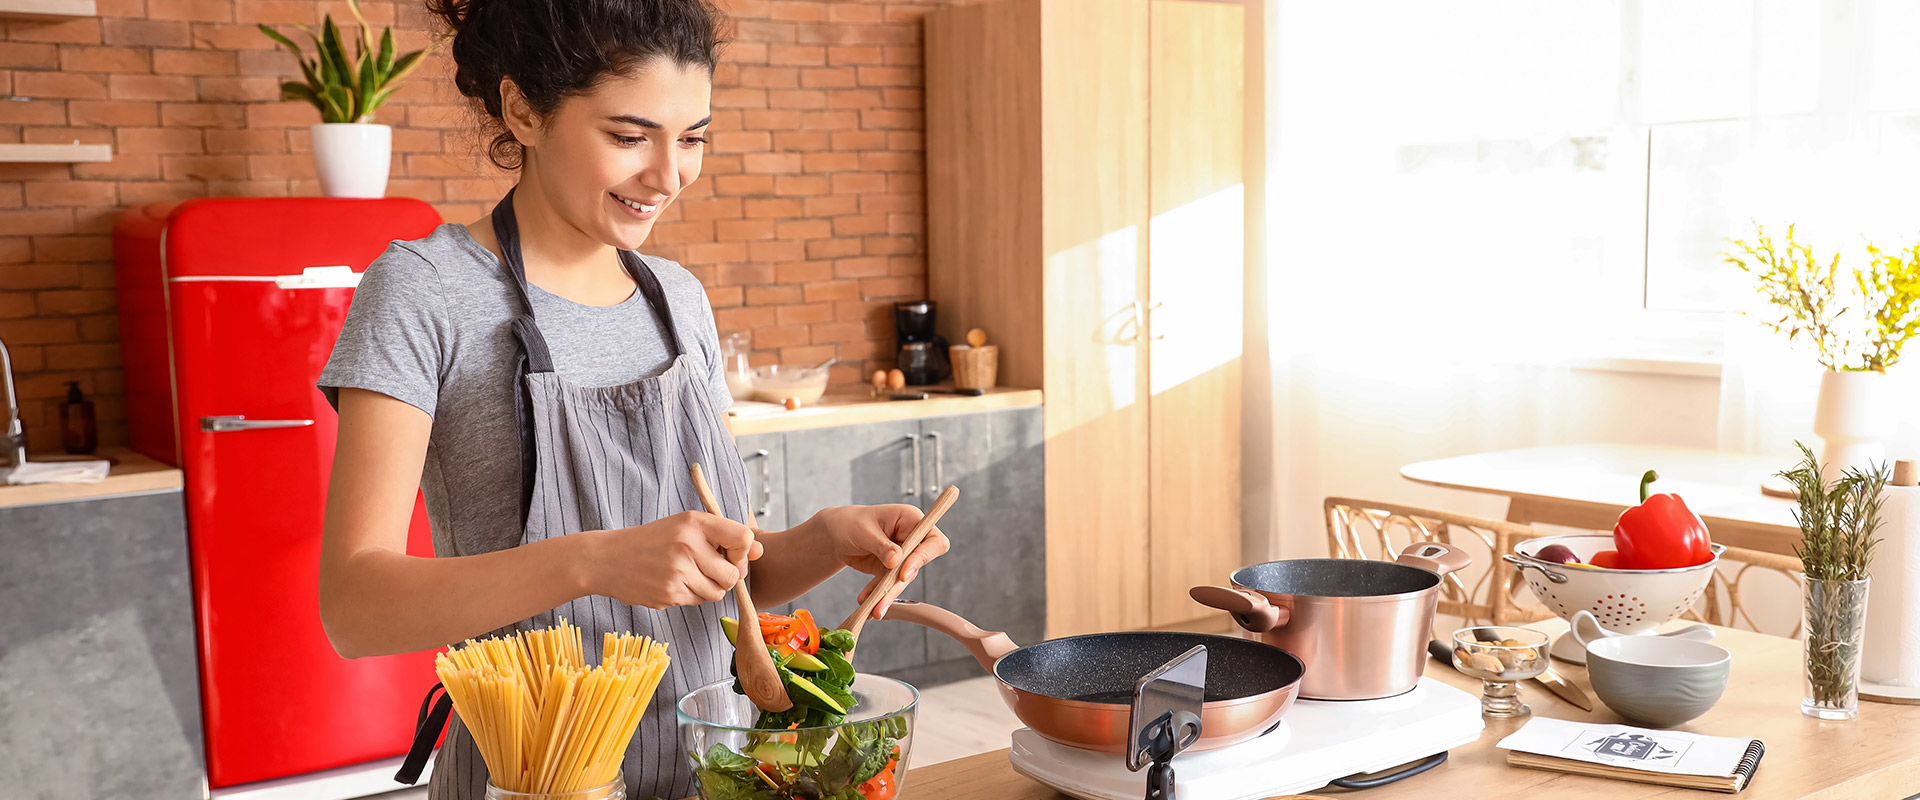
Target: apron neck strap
533, 344
656, 297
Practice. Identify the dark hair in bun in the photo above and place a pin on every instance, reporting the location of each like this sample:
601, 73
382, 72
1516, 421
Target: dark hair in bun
556, 48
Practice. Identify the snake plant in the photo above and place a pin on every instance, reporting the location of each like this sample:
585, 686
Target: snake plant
346, 90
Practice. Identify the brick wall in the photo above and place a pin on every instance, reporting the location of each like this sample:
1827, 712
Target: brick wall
808, 222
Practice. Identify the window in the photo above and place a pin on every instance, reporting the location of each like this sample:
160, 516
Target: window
1571, 171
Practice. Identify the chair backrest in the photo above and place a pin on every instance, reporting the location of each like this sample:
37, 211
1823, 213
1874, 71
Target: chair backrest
1483, 593
1736, 565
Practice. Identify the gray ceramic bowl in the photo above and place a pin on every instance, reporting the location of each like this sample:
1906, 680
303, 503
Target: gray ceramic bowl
1658, 681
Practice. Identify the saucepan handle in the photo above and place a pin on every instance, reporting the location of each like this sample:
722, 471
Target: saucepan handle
1434, 557
1368, 783
1249, 608
987, 646
1524, 565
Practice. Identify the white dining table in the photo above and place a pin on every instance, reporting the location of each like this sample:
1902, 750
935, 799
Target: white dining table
1588, 485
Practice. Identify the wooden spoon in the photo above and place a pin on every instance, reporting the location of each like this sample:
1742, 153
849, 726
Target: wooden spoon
757, 673
890, 586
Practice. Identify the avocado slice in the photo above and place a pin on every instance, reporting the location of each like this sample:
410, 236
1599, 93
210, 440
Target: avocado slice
785, 754
732, 628
807, 686
806, 662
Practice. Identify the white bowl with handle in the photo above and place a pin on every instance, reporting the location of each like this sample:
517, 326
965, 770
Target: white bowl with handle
1633, 602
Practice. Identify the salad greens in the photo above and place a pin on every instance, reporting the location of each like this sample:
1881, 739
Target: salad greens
810, 751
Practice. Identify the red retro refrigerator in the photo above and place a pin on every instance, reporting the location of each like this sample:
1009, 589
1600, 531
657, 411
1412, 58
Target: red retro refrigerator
229, 308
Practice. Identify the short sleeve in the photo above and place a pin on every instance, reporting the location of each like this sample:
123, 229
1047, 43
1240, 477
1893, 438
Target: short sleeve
395, 338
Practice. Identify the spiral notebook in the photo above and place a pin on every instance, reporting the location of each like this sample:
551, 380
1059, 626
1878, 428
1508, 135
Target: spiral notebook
1666, 758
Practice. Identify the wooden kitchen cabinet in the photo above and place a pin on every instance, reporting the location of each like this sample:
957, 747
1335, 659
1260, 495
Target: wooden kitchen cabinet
994, 574
1085, 207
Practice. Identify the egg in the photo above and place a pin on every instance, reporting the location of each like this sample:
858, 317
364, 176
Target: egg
793, 404
897, 379
879, 379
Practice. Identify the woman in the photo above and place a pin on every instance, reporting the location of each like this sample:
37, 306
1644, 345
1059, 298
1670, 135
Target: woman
547, 387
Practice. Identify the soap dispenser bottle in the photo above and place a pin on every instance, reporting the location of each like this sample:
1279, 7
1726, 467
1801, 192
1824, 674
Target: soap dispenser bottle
78, 433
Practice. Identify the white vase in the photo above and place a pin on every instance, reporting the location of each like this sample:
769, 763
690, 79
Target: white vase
352, 158
1852, 419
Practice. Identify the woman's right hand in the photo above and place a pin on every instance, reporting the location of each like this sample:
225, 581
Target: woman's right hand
687, 559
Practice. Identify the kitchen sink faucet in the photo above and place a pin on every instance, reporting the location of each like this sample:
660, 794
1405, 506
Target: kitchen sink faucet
16, 438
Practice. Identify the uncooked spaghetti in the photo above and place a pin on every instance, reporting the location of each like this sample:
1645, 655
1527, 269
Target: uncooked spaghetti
543, 721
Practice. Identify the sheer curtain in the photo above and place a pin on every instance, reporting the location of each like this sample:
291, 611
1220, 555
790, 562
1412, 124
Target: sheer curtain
1466, 204
1437, 240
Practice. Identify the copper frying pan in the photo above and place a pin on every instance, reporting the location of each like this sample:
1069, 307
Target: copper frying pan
1077, 690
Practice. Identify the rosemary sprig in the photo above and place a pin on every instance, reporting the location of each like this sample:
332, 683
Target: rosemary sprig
1838, 522
1837, 527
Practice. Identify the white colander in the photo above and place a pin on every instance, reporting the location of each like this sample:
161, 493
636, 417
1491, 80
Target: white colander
1626, 601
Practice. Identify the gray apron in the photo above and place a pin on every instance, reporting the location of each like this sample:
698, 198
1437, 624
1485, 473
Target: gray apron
601, 459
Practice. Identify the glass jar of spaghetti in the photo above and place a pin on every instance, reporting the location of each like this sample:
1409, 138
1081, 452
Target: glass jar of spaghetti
615, 789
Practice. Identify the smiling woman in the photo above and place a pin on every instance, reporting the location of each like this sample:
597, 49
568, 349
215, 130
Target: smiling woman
547, 387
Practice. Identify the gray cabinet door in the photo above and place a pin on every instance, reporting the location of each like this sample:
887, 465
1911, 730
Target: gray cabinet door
765, 455
99, 686
867, 464
995, 575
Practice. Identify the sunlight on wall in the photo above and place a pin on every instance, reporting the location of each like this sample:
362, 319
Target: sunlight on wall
1198, 251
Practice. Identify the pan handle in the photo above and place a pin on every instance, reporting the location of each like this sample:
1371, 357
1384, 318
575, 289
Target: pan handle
1368, 783
1251, 609
1434, 557
987, 646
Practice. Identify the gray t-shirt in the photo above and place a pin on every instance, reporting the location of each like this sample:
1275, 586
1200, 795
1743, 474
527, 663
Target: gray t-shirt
428, 327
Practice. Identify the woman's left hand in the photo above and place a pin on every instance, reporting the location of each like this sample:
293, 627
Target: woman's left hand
870, 539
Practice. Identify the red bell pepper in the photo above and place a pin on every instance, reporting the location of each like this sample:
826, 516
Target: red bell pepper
1660, 533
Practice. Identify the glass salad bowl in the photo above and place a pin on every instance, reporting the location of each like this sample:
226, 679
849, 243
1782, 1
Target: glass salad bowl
863, 757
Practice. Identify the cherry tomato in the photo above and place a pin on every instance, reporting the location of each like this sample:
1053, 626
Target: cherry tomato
1607, 559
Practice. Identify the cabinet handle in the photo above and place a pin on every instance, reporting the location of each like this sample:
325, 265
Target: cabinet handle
913, 488
1150, 309
939, 469
766, 482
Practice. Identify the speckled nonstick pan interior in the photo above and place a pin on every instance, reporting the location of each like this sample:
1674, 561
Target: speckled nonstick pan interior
1078, 690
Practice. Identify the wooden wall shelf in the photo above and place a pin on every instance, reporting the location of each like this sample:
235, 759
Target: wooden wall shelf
51, 10
54, 153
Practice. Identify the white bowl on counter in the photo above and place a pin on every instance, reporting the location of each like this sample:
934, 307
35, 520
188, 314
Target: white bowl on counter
776, 383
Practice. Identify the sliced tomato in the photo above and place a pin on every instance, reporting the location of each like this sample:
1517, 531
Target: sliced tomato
882, 786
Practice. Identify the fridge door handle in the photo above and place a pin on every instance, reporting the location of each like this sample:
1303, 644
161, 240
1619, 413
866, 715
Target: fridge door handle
239, 422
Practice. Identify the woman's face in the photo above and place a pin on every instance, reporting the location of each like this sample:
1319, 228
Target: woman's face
612, 159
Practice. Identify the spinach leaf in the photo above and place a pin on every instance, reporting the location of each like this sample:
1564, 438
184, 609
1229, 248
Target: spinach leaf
722, 758
716, 785
839, 671
838, 639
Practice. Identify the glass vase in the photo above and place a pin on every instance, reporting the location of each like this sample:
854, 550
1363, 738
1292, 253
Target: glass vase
1834, 619
615, 789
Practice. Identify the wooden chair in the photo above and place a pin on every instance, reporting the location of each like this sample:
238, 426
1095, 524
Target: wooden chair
1366, 529
1735, 564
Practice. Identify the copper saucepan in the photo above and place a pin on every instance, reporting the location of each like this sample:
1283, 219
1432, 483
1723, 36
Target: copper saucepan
1360, 626
1078, 690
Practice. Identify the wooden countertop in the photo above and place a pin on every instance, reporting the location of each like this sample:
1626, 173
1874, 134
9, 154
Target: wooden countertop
851, 405
1875, 756
131, 473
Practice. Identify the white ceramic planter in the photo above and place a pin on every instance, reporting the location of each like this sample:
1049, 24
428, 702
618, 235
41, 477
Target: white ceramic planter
352, 158
1852, 419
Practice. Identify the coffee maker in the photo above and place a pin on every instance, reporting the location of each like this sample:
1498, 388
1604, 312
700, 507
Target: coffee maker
922, 354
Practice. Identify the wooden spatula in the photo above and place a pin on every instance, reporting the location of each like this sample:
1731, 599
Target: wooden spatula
757, 673
890, 586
